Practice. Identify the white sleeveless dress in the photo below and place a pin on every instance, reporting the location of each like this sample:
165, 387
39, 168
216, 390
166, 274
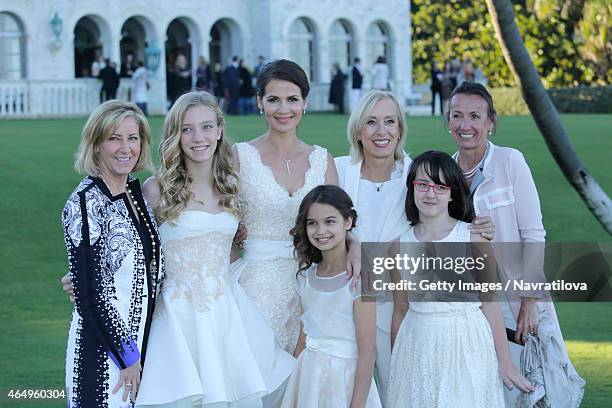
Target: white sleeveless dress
268, 267
209, 346
325, 372
444, 356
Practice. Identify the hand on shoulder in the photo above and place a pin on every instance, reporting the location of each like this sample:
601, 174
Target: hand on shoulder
151, 191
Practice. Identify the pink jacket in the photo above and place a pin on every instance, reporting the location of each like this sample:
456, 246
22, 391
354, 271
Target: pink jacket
509, 196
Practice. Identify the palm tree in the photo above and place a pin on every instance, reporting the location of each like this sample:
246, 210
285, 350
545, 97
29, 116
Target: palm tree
544, 113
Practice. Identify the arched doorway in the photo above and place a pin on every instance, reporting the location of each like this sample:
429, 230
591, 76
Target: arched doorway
341, 44
12, 47
182, 47
225, 41
132, 45
302, 46
378, 43
87, 45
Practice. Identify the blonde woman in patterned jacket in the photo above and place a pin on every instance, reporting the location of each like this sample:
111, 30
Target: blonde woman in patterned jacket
114, 259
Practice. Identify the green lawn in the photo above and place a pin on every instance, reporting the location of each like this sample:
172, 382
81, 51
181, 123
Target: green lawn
36, 160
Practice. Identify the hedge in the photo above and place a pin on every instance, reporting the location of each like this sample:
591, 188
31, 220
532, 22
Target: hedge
581, 99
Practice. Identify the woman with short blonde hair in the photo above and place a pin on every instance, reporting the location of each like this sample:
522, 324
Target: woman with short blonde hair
359, 118
104, 120
374, 176
114, 259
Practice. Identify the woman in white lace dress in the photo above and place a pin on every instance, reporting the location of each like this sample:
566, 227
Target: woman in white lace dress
277, 169
447, 353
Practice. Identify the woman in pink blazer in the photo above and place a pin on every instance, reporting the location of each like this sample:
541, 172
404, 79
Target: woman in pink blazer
503, 188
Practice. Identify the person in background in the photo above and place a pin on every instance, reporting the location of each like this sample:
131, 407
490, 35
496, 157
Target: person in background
128, 66
260, 64
219, 86
336, 89
380, 74
356, 83
204, 75
98, 64
110, 81
181, 77
245, 102
436, 87
449, 81
231, 80
141, 87
469, 73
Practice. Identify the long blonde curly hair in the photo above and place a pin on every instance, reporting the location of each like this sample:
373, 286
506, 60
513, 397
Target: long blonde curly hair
173, 178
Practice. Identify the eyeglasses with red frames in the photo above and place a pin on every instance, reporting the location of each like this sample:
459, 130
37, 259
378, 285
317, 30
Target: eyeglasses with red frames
424, 187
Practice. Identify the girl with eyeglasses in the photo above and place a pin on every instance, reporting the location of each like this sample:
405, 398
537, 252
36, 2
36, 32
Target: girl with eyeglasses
446, 352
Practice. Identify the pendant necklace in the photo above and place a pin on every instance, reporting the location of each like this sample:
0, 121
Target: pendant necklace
287, 164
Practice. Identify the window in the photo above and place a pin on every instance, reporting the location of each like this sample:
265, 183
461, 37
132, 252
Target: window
340, 44
302, 45
12, 65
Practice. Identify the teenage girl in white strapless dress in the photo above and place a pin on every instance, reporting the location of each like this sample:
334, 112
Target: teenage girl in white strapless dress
209, 345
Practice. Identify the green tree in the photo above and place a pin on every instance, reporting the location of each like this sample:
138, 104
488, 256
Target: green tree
545, 115
463, 29
594, 35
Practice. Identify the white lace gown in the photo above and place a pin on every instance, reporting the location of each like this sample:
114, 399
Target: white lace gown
325, 372
444, 356
268, 267
209, 346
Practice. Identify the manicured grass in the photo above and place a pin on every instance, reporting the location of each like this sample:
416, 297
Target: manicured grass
36, 160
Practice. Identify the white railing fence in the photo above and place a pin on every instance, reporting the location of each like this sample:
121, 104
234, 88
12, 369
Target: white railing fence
54, 98
78, 97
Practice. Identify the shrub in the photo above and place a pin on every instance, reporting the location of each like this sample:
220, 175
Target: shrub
509, 101
582, 99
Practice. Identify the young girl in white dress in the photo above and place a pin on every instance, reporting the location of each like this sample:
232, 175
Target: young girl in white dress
338, 327
447, 354
209, 346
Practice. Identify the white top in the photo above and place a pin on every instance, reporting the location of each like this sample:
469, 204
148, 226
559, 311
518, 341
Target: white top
328, 317
381, 215
459, 233
380, 76
380, 207
140, 78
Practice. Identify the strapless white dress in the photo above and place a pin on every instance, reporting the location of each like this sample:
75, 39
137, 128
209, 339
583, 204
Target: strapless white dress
209, 345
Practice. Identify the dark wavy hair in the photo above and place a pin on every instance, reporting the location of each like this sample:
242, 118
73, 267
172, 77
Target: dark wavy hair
307, 253
282, 70
435, 164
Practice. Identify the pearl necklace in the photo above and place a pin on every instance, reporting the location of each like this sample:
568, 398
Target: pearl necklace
153, 268
470, 173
